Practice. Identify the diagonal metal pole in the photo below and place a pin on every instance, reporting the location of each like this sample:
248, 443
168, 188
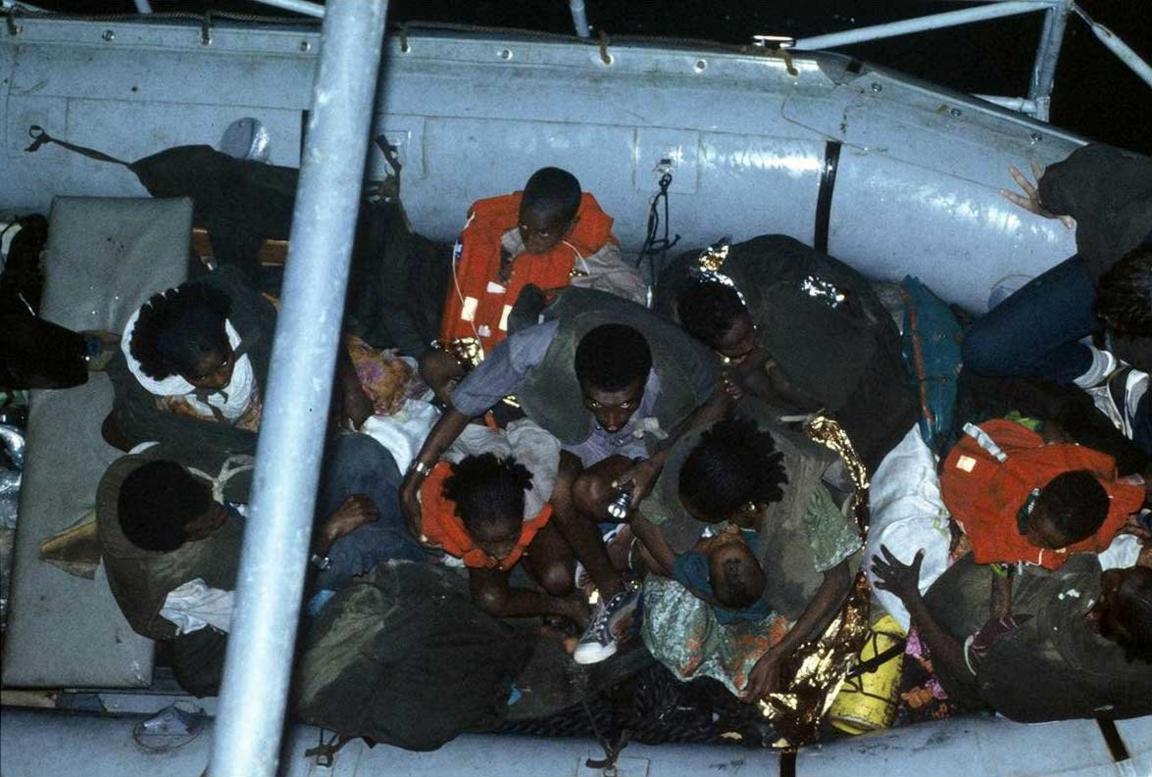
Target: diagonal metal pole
299, 6
921, 24
250, 716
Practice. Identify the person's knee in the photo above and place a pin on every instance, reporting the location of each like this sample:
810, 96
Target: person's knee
589, 492
557, 579
979, 352
491, 600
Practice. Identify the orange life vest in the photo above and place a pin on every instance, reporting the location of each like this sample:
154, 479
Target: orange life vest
478, 303
984, 494
441, 526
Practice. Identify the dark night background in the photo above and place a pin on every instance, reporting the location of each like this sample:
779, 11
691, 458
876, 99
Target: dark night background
1095, 94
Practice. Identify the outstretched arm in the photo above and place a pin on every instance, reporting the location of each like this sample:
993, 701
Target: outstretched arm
645, 472
443, 434
652, 538
947, 652
765, 675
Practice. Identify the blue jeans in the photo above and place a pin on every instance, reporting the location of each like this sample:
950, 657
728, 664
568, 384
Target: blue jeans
357, 464
1036, 331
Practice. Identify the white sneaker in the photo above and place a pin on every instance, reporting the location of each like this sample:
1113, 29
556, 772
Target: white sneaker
1119, 397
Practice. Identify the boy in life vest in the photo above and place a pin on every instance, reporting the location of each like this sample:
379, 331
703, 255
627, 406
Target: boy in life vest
485, 511
1019, 497
520, 248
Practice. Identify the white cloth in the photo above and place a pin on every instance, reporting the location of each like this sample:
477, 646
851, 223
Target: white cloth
232, 400
524, 439
232, 466
195, 605
403, 432
1121, 553
908, 515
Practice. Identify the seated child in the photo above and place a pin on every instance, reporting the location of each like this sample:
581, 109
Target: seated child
200, 352
1020, 498
542, 239
476, 510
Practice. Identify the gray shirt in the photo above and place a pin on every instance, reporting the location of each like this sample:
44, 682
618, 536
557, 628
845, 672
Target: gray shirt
504, 370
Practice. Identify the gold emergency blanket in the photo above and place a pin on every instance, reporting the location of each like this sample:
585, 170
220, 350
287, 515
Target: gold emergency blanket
817, 668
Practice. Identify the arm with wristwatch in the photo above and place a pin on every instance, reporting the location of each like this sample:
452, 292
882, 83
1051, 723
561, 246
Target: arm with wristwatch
443, 434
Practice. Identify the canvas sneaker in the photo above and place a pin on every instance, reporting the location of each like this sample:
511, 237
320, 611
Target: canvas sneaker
599, 641
1119, 398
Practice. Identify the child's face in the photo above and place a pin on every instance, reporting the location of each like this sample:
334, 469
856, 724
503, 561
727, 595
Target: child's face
497, 540
541, 232
735, 574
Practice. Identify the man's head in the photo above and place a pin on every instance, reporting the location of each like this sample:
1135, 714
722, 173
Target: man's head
489, 496
733, 472
714, 314
612, 365
735, 575
548, 209
1124, 300
161, 506
181, 332
1124, 611
1069, 508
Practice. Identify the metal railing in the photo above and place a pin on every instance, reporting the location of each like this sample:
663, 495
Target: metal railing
1043, 78
270, 581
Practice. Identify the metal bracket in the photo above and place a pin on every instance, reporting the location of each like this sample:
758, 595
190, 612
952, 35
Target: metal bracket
777, 46
605, 57
206, 29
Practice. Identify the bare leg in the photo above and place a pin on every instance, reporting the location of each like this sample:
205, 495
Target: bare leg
580, 499
490, 590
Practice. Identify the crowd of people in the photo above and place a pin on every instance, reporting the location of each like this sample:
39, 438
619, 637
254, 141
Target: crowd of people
632, 461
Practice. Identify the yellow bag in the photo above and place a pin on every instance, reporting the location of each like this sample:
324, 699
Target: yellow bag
868, 701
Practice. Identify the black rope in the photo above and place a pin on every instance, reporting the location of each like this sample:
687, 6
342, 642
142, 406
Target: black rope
654, 245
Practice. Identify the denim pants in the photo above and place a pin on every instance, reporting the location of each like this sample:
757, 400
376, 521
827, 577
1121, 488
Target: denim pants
1036, 331
357, 464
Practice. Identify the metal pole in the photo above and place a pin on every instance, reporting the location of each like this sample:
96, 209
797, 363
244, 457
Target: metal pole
1117, 46
921, 24
580, 18
250, 716
299, 6
143, 6
1047, 53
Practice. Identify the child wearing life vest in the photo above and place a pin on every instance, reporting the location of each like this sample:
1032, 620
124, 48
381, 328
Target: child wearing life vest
1020, 498
475, 511
521, 248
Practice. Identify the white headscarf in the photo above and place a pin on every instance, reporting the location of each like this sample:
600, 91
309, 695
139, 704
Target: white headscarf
232, 400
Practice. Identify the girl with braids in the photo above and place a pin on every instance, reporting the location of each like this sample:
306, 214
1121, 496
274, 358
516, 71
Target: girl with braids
774, 571
200, 352
490, 512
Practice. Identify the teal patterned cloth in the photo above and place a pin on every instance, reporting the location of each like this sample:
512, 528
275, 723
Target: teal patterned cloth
683, 634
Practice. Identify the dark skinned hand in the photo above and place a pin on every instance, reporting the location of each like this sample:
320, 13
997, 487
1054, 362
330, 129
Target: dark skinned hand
895, 576
356, 511
764, 677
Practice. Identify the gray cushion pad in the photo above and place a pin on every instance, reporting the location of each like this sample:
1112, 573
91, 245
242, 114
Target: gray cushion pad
105, 257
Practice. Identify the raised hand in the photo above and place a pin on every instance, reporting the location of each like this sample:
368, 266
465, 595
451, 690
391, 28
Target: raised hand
1030, 200
895, 576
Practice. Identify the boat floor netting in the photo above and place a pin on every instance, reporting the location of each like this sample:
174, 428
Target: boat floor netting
651, 706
